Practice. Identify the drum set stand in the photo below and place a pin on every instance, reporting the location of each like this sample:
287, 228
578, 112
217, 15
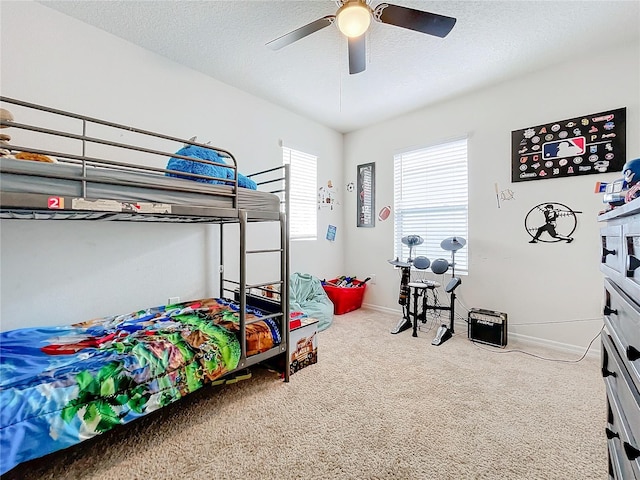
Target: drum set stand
419, 290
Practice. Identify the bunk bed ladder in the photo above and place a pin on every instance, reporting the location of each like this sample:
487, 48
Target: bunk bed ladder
243, 288
242, 215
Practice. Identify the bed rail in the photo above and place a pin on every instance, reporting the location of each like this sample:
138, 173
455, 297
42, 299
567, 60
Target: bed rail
70, 146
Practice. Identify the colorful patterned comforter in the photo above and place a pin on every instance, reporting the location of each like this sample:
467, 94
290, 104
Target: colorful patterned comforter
62, 385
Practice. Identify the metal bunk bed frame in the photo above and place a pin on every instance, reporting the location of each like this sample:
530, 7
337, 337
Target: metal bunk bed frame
38, 206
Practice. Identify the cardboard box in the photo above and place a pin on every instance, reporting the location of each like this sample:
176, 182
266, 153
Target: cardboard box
303, 345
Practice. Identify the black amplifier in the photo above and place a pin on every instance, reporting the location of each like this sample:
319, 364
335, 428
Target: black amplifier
487, 326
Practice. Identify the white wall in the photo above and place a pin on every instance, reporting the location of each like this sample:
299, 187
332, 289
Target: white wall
60, 272
533, 284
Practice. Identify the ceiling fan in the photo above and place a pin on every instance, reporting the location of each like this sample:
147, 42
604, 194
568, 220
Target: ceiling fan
353, 19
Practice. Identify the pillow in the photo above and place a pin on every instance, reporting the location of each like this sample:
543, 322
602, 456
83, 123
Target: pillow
188, 166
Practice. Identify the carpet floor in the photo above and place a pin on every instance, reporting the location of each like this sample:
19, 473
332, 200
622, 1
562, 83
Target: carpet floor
375, 406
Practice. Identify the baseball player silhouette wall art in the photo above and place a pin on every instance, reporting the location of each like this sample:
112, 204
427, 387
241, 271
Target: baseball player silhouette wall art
550, 222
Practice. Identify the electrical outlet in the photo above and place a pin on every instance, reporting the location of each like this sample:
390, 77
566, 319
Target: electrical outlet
373, 279
173, 300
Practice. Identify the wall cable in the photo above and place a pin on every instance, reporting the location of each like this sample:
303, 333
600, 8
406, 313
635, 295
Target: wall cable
559, 360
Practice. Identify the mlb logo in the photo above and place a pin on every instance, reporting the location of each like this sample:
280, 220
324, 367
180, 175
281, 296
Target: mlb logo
569, 147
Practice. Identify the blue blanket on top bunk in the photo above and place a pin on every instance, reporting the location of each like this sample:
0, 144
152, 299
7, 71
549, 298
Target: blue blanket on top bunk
188, 166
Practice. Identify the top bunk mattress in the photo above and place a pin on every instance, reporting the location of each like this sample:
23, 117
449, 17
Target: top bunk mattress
62, 179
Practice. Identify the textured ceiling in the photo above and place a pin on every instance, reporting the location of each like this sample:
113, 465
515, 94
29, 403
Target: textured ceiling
491, 42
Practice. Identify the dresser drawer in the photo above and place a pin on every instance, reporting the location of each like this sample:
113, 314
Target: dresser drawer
620, 467
631, 260
623, 400
612, 260
624, 463
622, 319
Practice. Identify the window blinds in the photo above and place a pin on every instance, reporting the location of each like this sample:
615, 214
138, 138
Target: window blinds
431, 200
303, 187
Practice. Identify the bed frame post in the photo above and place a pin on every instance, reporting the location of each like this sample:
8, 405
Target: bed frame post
242, 216
221, 262
284, 297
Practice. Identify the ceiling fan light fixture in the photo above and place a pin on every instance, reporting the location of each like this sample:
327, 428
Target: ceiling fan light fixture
353, 18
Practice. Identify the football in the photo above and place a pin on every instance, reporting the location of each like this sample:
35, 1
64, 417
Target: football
384, 213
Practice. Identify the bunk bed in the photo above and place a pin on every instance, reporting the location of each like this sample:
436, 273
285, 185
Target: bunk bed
61, 385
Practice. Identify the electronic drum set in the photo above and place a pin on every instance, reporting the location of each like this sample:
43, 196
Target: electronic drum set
420, 288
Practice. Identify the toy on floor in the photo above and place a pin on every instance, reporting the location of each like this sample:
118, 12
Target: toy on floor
234, 377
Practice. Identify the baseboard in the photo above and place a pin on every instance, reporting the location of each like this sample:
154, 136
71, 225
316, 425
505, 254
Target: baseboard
461, 326
378, 308
594, 350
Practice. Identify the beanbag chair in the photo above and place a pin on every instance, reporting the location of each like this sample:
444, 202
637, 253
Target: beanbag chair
307, 295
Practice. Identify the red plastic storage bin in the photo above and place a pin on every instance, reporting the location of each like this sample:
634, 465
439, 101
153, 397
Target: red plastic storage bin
345, 299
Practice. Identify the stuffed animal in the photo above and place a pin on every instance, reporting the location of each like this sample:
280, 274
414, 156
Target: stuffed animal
5, 116
4, 138
631, 172
5, 148
36, 157
188, 166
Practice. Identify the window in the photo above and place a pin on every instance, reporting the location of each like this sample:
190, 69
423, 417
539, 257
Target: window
303, 194
431, 200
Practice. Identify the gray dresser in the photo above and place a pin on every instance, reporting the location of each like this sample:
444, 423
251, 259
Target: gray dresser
620, 236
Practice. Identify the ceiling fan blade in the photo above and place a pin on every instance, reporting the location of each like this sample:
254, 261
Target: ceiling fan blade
297, 34
357, 54
424, 22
